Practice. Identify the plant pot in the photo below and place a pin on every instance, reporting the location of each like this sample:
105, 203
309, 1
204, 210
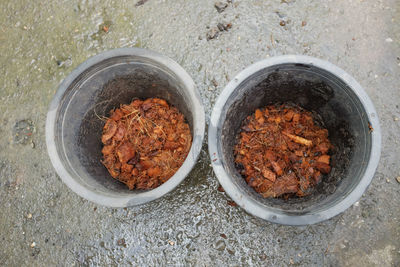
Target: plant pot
103, 82
332, 95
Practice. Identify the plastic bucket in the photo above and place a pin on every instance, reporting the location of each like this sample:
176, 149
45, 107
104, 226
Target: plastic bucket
317, 86
103, 82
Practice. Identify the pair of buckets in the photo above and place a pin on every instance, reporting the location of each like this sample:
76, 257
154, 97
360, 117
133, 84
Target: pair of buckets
103, 82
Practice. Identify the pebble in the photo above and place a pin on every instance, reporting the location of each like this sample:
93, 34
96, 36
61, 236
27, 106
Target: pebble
215, 31
220, 6
214, 82
398, 179
220, 245
171, 243
211, 34
387, 180
33, 245
121, 242
224, 26
389, 40
220, 27
140, 2
395, 119
29, 216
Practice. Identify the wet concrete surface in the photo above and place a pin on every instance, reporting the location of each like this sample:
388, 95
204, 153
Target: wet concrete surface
45, 223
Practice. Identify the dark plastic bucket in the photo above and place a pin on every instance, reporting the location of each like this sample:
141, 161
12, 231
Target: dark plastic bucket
103, 82
334, 96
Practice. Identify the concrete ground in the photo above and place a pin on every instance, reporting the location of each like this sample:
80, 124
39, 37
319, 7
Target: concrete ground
44, 223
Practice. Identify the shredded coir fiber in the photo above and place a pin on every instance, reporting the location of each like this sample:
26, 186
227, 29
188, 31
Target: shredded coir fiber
145, 143
282, 152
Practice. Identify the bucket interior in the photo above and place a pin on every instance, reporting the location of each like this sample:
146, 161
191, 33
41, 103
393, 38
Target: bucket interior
89, 99
331, 101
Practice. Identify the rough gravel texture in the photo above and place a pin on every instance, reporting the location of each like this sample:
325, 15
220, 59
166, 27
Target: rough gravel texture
41, 42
